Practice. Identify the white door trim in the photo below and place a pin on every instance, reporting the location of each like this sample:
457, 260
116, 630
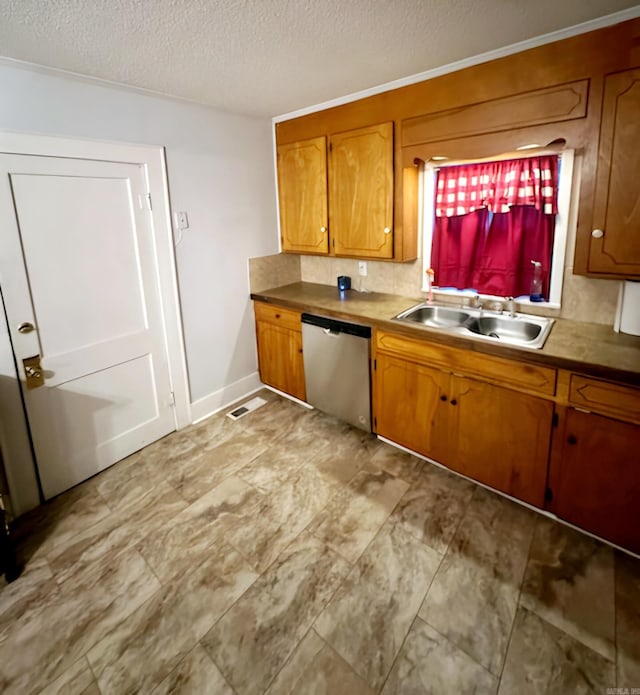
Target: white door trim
152, 158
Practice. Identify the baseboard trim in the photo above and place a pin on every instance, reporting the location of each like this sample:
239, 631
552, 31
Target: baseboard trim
219, 400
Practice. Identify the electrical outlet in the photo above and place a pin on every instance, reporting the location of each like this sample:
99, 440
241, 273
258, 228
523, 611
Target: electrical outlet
362, 268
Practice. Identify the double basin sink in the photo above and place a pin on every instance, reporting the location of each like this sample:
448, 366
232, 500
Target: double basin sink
517, 329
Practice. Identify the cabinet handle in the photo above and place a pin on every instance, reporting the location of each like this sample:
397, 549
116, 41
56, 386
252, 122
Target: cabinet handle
323, 229
597, 233
443, 397
571, 439
453, 401
387, 230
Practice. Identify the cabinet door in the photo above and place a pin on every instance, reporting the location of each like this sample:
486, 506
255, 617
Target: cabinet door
302, 192
616, 209
597, 481
280, 358
361, 192
409, 405
501, 437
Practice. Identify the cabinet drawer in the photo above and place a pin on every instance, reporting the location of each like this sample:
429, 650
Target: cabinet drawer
287, 318
499, 370
605, 397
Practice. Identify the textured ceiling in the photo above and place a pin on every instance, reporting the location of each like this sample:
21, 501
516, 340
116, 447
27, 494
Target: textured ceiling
269, 57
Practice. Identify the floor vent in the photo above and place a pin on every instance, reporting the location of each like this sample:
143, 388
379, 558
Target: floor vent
246, 408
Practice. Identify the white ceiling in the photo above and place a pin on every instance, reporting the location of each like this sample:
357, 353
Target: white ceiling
269, 57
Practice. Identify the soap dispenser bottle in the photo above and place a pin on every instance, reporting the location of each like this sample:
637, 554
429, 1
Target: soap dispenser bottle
535, 295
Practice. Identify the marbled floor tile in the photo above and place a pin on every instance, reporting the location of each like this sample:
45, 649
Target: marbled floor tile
276, 419
187, 541
31, 587
196, 674
315, 669
143, 649
193, 476
48, 639
278, 516
349, 451
55, 522
628, 620
429, 664
355, 516
371, 613
155, 508
255, 637
274, 466
544, 659
433, 506
308, 435
570, 583
77, 680
473, 598
399, 463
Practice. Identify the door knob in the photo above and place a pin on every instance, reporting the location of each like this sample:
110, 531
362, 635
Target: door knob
387, 230
26, 327
323, 229
597, 233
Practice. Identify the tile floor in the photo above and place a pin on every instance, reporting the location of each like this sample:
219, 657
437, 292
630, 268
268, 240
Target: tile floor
289, 553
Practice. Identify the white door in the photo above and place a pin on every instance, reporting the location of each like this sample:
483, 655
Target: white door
77, 263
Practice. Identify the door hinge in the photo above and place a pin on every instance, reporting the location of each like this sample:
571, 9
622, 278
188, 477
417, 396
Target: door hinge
173, 399
375, 365
554, 420
375, 422
548, 495
330, 146
148, 197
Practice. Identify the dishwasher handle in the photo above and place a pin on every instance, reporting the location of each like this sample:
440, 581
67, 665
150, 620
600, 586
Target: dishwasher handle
334, 327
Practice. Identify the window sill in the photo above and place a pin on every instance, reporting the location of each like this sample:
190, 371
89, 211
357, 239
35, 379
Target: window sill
447, 295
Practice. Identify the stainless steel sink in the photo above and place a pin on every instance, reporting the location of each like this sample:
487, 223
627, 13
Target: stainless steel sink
505, 328
518, 329
435, 316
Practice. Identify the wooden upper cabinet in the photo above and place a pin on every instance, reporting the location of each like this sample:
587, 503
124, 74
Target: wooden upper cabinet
302, 192
615, 241
361, 192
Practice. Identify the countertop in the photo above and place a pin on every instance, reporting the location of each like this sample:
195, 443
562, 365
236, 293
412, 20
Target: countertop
589, 348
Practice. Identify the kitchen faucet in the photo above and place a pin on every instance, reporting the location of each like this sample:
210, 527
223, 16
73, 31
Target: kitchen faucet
510, 306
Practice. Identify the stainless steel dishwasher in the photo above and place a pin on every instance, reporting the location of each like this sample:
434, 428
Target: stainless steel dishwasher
336, 368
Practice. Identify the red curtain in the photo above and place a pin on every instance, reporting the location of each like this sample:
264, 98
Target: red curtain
490, 248
498, 185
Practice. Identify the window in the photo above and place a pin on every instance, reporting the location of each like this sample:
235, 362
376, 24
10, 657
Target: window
485, 221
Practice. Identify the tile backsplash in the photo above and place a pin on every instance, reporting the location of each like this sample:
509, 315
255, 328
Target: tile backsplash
583, 299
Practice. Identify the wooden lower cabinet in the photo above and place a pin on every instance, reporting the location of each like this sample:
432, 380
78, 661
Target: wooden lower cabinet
500, 437
595, 476
495, 435
409, 399
280, 358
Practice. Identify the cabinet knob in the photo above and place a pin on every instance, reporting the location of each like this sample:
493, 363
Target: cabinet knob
387, 230
443, 397
454, 401
323, 229
277, 316
597, 233
572, 439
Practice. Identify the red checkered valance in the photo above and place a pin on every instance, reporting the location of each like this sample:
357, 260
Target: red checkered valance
498, 185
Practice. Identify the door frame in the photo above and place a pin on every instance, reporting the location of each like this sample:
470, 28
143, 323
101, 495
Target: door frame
23, 487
